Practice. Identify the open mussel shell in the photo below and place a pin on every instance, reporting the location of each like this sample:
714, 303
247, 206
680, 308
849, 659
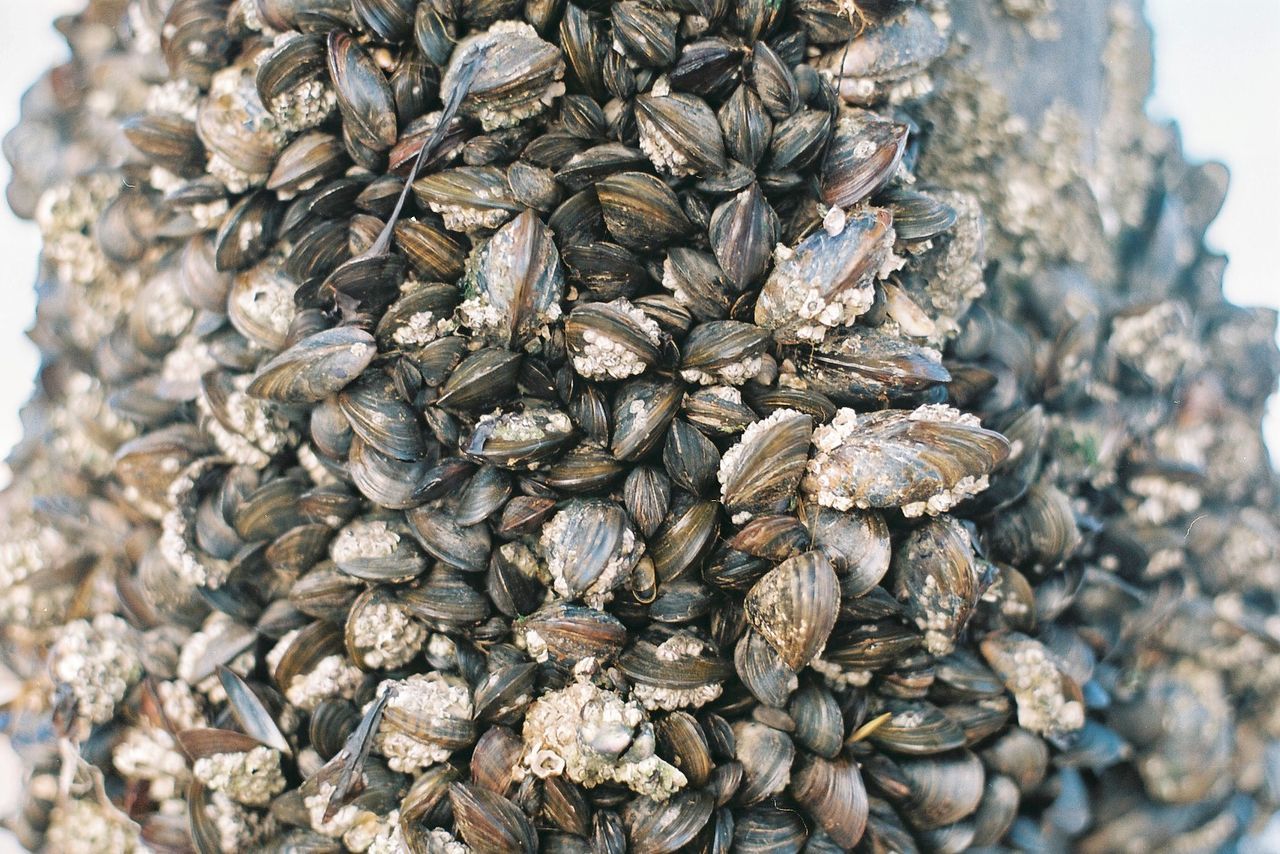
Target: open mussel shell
254, 716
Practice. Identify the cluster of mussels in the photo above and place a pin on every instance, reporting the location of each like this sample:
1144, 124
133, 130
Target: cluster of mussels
511, 425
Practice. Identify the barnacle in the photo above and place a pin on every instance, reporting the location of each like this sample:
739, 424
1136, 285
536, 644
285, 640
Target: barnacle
585, 732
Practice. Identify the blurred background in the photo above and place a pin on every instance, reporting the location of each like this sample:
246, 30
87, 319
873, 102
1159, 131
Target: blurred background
1217, 73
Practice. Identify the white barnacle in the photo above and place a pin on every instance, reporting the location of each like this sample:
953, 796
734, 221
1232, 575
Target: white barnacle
437, 840
386, 635
733, 374
364, 539
659, 149
1155, 342
342, 819
252, 777
83, 826
421, 329
304, 106
151, 754
839, 677
98, 662
180, 705
367, 827
533, 643
583, 732
178, 97
333, 676
238, 828
1031, 674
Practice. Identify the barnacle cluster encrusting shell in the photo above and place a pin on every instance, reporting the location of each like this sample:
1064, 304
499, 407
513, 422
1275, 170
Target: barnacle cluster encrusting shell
511, 425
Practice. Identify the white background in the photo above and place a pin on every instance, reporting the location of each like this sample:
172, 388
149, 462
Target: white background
1217, 73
